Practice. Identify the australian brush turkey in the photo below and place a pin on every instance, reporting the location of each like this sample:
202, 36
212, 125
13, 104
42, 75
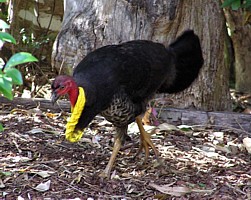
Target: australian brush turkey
117, 81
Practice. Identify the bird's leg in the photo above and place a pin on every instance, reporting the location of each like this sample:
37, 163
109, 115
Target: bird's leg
116, 148
121, 133
145, 141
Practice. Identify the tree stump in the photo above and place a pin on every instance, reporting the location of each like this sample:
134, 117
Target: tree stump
90, 24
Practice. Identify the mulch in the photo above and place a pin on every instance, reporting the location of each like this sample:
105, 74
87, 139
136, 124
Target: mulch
196, 163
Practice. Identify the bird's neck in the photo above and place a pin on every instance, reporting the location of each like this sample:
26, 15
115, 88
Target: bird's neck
73, 94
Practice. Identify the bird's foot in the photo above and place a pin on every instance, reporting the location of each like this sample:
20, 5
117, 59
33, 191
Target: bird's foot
146, 144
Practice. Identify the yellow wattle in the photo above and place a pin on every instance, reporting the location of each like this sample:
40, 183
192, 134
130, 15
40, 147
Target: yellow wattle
71, 134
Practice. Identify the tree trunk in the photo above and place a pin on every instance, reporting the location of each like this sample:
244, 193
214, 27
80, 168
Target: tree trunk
240, 33
90, 24
34, 24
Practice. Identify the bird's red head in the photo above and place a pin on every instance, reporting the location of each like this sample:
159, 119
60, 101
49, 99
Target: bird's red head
63, 85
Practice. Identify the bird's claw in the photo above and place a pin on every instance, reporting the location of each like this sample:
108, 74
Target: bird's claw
145, 144
145, 141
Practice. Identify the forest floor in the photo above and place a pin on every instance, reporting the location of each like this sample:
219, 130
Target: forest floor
197, 163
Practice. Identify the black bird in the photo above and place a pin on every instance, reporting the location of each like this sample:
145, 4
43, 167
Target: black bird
117, 81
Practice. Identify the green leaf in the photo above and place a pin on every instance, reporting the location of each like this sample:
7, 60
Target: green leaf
3, 24
185, 127
7, 37
228, 3
236, 5
202, 185
2, 1
1, 127
248, 4
5, 173
6, 87
20, 58
15, 75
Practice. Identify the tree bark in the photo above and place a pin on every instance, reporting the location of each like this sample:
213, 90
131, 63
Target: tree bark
240, 34
90, 24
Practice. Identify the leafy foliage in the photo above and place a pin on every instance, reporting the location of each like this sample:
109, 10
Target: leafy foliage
9, 75
236, 4
19, 58
7, 37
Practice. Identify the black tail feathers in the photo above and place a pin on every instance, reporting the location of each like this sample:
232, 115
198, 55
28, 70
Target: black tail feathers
189, 60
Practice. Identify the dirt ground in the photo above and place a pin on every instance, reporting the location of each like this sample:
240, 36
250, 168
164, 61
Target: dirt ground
37, 163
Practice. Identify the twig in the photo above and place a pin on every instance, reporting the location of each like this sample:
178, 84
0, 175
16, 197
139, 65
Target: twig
236, 189
61, 145
43, 163
224, 127
240, 125
17, 146
73, 187
95, 188
242, 98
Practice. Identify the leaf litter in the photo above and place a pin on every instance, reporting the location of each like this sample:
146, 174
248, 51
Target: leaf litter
37, 163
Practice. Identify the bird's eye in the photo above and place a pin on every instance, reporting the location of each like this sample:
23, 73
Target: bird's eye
62, 87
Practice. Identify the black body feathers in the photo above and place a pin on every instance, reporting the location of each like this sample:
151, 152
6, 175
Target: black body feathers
189, 60
119, 79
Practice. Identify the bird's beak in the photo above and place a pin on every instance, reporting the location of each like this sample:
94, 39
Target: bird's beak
54, 97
